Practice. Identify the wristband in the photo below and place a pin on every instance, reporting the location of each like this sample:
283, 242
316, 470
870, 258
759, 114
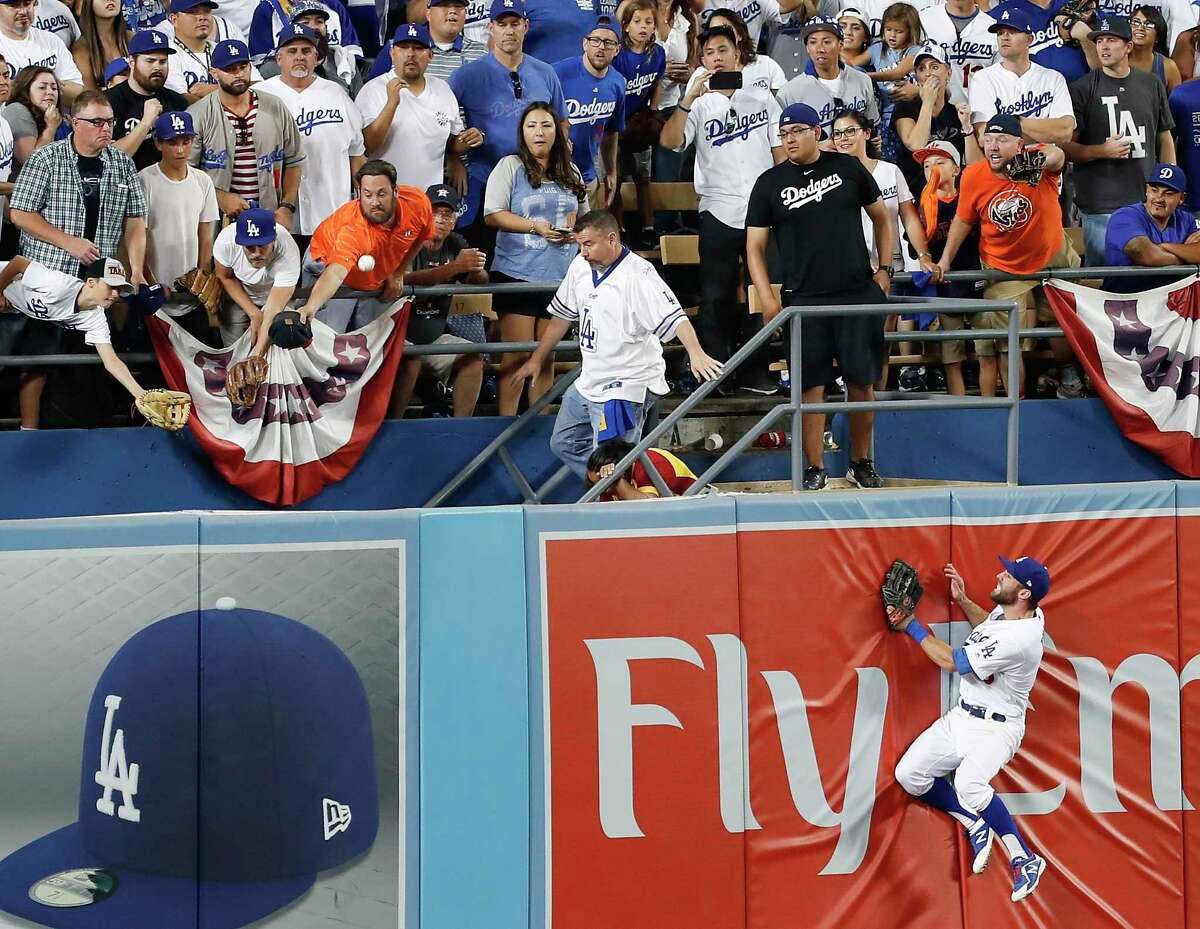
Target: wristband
916, 631
684, 108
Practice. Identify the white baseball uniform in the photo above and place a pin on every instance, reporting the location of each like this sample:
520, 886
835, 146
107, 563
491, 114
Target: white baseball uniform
754, 13
969, 51
1039, 92
43, 49
416, 141
1004, 656
56, 17
49, 295
476, 28
625, 313
734, 137
330, 127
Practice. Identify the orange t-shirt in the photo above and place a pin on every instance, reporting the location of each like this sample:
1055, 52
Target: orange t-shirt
1020, 227
346, 235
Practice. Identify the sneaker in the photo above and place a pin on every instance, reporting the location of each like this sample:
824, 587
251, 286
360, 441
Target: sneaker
862, 473
759, 382
910, 379
1027, 872
980, 836
815, 478
1071, 385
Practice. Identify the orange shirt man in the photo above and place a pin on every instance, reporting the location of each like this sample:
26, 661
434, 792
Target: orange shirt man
365, 244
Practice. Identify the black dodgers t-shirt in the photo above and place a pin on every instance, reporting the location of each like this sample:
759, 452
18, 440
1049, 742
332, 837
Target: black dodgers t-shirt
128, 106
815, 212
428, 320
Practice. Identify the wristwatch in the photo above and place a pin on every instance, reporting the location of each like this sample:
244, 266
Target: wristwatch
288, 206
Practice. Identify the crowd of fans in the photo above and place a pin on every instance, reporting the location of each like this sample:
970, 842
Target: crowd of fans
224, 134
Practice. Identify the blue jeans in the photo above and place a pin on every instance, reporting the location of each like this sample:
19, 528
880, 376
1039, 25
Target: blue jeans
578, 423
1095, 226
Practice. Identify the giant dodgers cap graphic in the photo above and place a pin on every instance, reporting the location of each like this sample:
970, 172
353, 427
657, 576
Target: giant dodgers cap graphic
227, 759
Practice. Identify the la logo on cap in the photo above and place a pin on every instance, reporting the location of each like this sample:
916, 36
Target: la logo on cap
508, 2
176, 122
412, 30
251, 229
1005, 16
1104, 24
158, 39
115, 772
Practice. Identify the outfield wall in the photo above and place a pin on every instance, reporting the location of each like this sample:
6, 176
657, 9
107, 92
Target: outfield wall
687, 713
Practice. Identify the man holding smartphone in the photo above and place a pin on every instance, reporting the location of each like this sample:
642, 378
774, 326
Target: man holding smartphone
736, 131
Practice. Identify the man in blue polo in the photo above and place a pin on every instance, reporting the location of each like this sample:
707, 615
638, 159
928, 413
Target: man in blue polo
1153, 233
492, 92
595, 95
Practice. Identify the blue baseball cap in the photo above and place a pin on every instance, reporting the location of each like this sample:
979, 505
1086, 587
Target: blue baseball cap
115, 67
150, 42
443, 195
295, 32
1172, 176
413, 34
229, 52
255, 226
173, 125
505, 7
183, 6
607, 22
801, 114
227, 759
1013, 18
1030, 574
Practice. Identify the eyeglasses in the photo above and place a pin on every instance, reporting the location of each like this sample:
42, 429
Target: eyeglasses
516, 82
846, 133
98, 122
1144, 23
602, 43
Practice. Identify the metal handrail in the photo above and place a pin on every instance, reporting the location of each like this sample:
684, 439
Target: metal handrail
796, 407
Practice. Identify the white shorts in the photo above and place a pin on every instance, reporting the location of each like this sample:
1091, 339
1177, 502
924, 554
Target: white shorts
974, 749
442, 366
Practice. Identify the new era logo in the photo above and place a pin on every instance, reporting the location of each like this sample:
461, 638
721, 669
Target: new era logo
336, 817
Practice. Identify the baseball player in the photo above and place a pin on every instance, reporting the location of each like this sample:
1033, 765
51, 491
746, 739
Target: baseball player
42, 293
998, 664
258, 265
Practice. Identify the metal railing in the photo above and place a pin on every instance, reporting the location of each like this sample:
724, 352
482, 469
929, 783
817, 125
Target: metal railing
797, 408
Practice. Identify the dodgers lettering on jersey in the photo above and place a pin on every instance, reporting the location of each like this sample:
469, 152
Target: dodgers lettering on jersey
1029, 103
735, 126
50, 61
592, 112
969, 51
307, 120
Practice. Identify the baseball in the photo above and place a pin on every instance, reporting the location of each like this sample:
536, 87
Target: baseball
226, 603
366, 263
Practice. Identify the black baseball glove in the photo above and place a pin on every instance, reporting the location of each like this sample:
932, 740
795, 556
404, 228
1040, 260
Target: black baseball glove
1027, 167
901, 589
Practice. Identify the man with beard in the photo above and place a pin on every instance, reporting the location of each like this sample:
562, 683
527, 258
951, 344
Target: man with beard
1020, 232
334, 63
365, 245
998, 664
196, 34
22, 45
411, 120
329, 123
143, 98
247, 142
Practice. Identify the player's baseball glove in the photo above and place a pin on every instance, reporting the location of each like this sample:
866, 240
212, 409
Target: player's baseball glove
901, 587
1027, 167
243, 380
167, 409
203, 286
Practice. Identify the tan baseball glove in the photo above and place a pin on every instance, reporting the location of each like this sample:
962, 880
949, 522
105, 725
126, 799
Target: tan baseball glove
243, 380
167, 409
204, 287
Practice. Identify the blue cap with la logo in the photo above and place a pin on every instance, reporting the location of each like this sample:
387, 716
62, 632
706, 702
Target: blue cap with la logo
227, 759
413, 34
294, 32
150, 42
229, 52
173, 125
255, 226
507, 8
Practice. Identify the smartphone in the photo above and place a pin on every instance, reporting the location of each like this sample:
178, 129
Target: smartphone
725, 80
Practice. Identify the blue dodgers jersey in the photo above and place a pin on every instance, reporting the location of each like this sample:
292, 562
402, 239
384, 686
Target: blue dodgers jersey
486, 92
595, 105
1046, 47
557, 27
1185, 108
1132, 221
641, 71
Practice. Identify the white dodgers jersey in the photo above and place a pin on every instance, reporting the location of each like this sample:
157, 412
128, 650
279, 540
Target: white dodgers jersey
1005, 655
